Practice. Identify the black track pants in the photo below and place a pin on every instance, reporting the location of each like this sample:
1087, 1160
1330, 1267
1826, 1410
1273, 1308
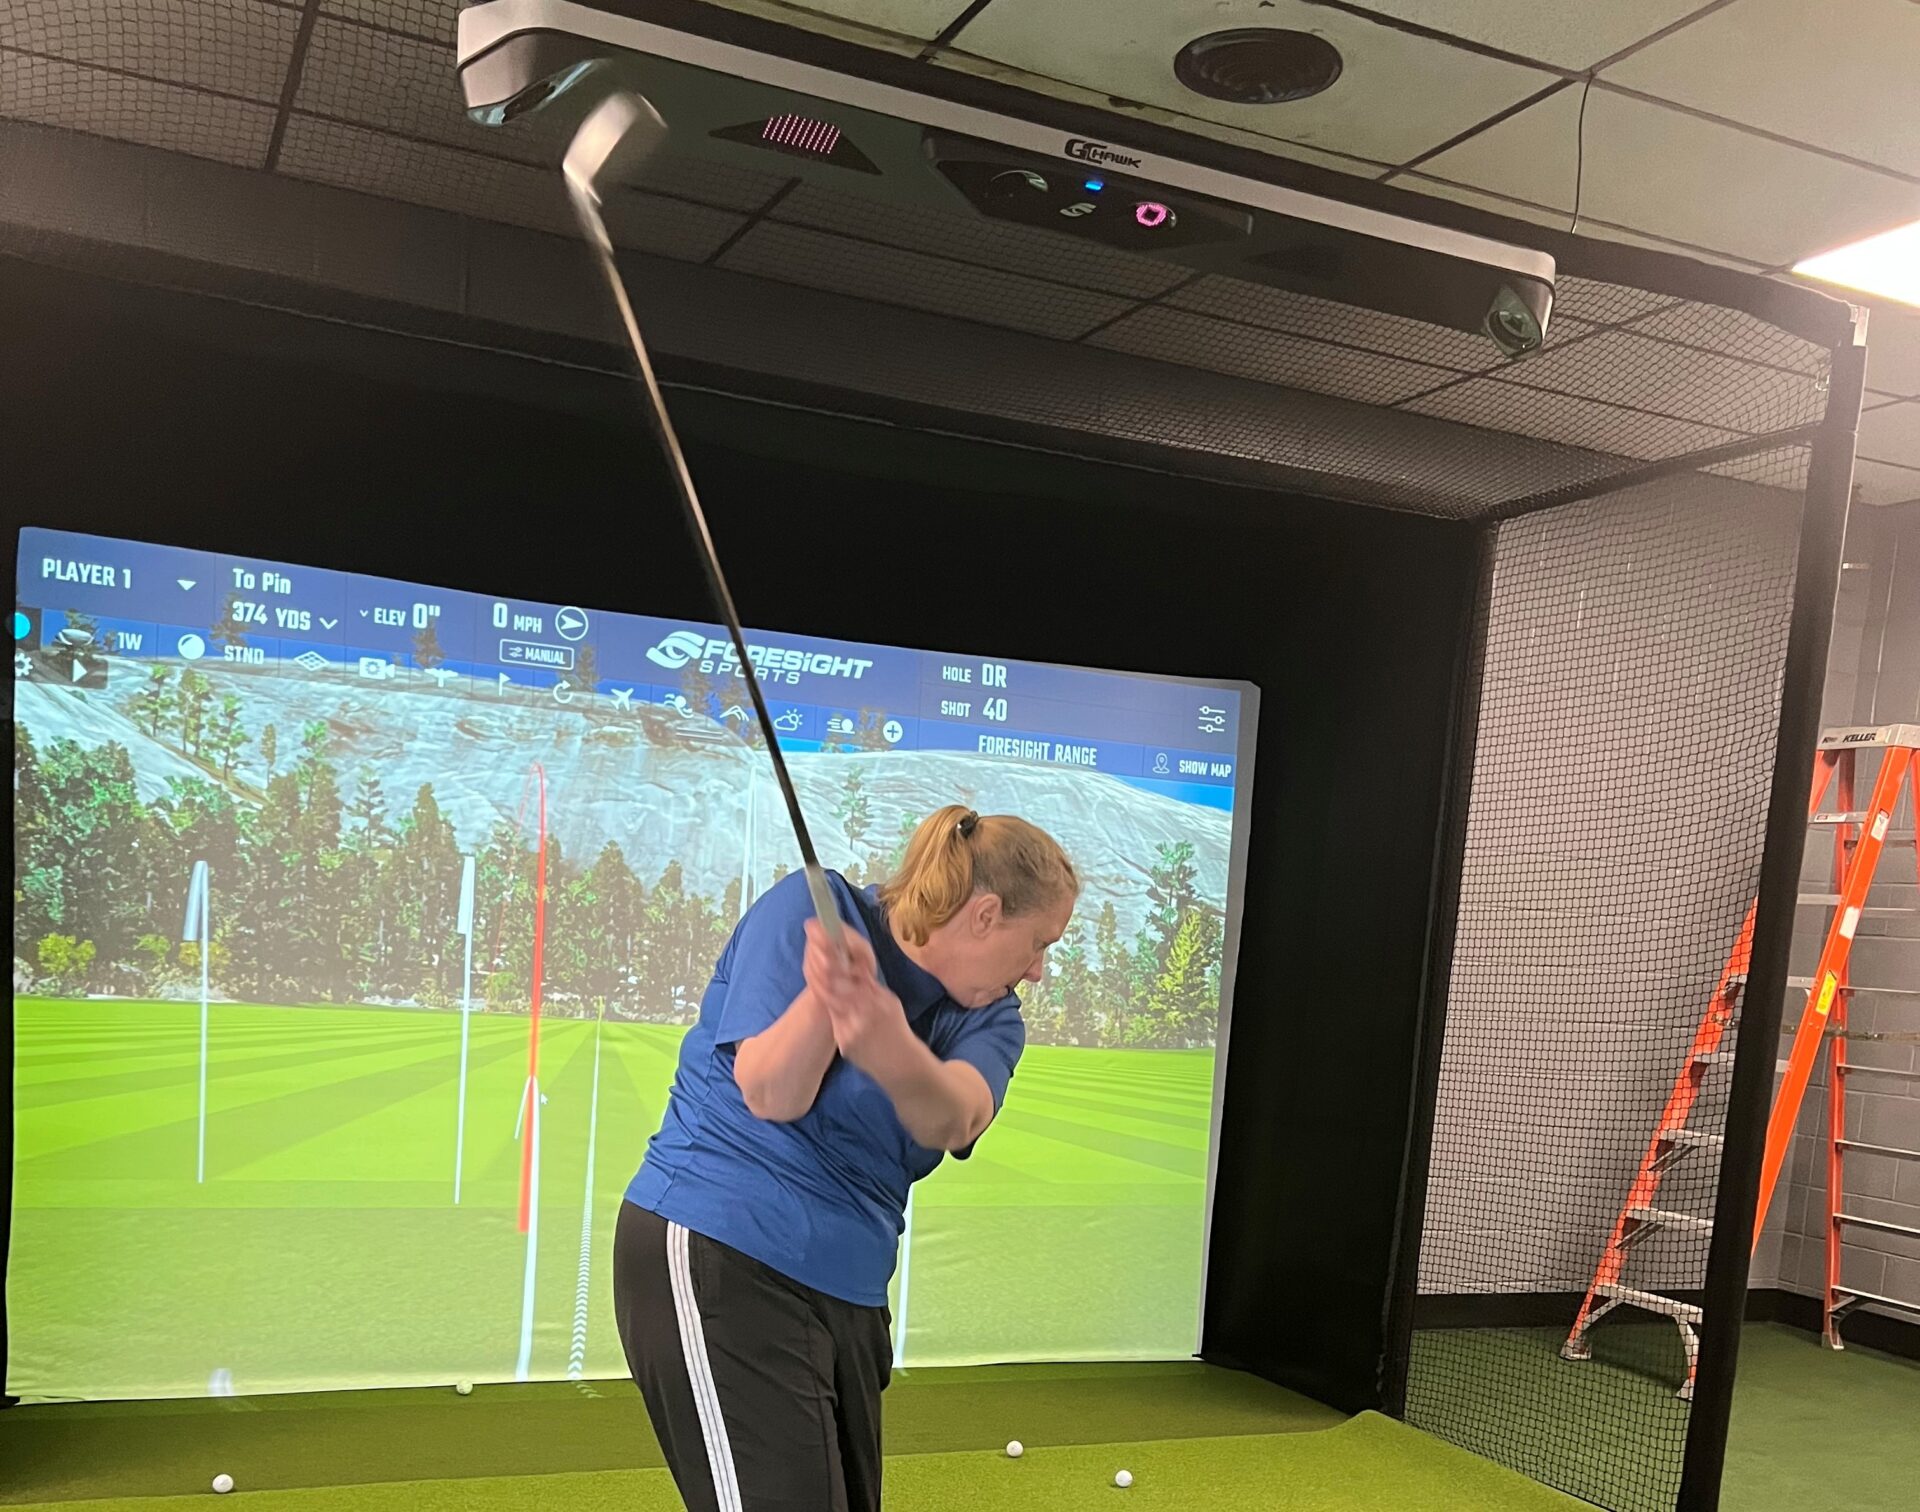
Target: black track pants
765, 1393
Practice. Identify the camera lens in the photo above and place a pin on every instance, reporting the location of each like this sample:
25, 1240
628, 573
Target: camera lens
1514, 327
1016, 184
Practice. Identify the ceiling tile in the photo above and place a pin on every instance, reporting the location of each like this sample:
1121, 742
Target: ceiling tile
1496, 405
234, 46
968, 237
1892, 434
1886, 483
1097, 99
892, 276
134, 110
1893, 350
1573, 34
1220, 346
1421, 182
402, 85
421, 173
421, 18
1840, 76
1666, 173
1397, 94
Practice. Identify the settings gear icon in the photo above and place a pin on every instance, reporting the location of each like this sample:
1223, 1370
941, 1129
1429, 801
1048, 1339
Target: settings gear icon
22, 664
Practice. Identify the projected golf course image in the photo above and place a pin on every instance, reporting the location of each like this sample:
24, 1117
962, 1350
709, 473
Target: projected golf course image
296, 1109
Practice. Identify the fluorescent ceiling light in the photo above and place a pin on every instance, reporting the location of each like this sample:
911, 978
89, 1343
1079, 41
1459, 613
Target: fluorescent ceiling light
1887, 264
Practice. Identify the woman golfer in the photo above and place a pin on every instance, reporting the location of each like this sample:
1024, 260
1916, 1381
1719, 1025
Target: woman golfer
821, 1081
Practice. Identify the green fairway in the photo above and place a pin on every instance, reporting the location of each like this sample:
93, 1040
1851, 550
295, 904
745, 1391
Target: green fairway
325, 1249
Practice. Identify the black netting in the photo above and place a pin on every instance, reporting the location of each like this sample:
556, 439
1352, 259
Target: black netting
1629, 709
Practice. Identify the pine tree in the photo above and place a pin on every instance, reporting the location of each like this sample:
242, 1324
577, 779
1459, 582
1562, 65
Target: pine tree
854, 810
228, 739
153, 705
1182, 1009
313, 750
1113, 970
195, 694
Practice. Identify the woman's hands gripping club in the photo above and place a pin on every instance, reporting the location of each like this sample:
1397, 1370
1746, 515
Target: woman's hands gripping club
868, 1020
944, 1105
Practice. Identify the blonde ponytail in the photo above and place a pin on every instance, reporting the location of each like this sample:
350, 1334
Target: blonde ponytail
956, 854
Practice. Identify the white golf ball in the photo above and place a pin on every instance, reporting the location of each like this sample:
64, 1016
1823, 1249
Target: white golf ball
465, 1388
223, 1483
1123, 1479
1015, 1449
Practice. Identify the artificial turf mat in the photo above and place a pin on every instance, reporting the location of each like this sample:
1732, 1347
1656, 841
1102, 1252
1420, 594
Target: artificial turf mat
96, 1449
1811, 1428
1368, 1464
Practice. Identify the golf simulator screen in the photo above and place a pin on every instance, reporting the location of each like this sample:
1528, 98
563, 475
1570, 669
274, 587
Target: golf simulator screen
357, 924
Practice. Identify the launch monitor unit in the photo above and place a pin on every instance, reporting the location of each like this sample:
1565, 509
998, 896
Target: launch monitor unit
729, 104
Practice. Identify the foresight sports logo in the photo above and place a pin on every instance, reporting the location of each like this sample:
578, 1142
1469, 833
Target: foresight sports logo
776, 664
1099, 152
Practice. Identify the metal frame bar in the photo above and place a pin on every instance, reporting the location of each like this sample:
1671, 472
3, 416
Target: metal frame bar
1823, 525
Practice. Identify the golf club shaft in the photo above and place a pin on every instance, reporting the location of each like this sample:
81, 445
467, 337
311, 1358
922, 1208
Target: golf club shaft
661, 424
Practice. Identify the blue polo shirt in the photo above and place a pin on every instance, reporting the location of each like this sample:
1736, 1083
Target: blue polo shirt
821, 1199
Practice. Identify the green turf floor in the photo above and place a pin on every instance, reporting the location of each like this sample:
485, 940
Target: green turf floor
1369, 1464
1811, 1430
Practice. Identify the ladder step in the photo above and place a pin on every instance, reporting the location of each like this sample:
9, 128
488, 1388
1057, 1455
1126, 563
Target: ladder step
1851, 1069
1832, 900
1879, 1225
1857, 988
1859, 1296
1694, 1138
1652, 1302
1859, 816
1873, 1149
1662, 1218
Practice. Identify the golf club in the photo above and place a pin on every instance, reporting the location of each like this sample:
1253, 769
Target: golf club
616, 139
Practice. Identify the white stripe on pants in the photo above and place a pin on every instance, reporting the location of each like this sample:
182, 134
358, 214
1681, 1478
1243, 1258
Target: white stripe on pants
706, 1399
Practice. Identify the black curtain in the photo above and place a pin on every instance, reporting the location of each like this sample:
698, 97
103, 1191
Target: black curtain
177, 418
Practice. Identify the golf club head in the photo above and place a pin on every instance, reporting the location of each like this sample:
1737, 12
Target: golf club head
612, 145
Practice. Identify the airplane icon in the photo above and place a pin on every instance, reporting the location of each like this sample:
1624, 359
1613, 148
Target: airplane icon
622, 697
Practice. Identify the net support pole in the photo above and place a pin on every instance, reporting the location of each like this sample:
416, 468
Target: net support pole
1443, 917
1823, 529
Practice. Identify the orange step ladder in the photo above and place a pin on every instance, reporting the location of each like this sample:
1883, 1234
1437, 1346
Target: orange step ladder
1860, 838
